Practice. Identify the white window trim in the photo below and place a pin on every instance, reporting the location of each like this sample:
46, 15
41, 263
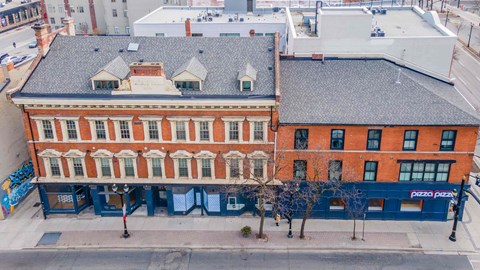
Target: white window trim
93, 129
258, 155
155, 154
196, 121
99, 154
246, 80
46, 155
41, 134
116, 123
234, 155
264, 120
63, 125
205, 155
173, 124
227, 120
70, 155
146, 131
182, 154
123, 155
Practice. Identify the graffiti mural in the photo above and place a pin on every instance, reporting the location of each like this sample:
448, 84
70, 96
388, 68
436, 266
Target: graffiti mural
17, 186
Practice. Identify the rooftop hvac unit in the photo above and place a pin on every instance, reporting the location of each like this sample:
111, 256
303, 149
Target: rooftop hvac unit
383, 11
210, 19
241, 19
199, 19
374, 11
373, 34
230, 19
381, 33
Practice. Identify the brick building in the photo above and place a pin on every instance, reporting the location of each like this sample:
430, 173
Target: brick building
390, 131
177, 119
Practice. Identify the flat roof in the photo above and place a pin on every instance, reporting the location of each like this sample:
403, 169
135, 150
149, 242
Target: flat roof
343, 11
180, 14
405, 22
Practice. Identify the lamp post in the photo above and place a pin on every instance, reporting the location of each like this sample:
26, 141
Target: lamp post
470, 35
456, 207
291, 191
124, 207
446, 19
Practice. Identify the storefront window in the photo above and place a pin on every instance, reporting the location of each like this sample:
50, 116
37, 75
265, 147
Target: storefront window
375, 204
337, 204
62, 197
411, 206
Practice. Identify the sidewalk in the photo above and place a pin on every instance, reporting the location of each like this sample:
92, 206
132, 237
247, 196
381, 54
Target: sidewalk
24, 228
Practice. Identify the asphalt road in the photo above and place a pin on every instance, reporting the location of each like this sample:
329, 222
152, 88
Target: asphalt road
221, 259
21, 36
466, 71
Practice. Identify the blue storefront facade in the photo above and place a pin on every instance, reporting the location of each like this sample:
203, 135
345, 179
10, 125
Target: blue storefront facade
383, 201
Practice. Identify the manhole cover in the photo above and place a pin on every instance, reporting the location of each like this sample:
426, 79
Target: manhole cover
37, 204
49, 238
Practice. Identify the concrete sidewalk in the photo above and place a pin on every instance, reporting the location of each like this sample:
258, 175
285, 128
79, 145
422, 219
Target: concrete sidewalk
24, 228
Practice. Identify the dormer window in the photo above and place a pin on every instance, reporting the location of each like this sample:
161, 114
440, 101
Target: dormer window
190, 76
106, 85
188, 85
246, 77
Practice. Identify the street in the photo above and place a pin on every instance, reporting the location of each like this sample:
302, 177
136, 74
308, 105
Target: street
21, 36
465, 70
220, 259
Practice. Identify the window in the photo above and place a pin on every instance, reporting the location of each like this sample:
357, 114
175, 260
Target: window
80, 9
197, 34
124, 129
113, 1
160, 35
257, 168
334, 170
52, 20
258, 131
77, 166
448, 140
100, 130
375, 204
182, 167
105, 167
246, 85
116, 30
269, 34
259, 34
300, 169
229, 34
125, 13
337, 139
72, 9
188, 85
374, 137
54, 167
71, 129
337, 204
370, 171
410, 140
153, 130
233, 131
60, 9
129, 169
411, 205
206, 169
204, 131
127, 30
114, 12
234, 168
232, 202
105, 85
124, 1
181, 131
301, 139
156, 167
47, 129
424, 171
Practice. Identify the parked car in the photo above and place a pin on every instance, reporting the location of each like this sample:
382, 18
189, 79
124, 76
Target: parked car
32, 44
3, 56
18, 60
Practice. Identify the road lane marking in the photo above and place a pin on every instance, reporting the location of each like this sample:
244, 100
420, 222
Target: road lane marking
477, 78
468, 54
462, 81
465, 98
460, 63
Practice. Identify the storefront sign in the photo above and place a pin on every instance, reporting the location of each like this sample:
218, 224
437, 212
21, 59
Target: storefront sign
431, 194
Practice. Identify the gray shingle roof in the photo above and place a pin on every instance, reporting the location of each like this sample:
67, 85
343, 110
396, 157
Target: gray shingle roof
72, 61
362, 92
194, 67
248, 71
117, 67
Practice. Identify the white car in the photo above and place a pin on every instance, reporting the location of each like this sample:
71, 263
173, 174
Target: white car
18, 59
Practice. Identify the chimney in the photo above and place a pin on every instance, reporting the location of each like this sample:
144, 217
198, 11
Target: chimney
188, 31
42, 34
68, 25
10, 66
144, 69
252, 32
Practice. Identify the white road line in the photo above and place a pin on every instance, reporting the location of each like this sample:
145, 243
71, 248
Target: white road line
462, 81
477, 78
458, 61
465, 98
468, 54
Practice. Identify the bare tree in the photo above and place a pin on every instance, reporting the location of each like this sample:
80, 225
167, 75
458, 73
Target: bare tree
459, 25
354, 202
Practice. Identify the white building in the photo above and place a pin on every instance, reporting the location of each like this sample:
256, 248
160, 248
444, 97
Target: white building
104, 17
407, 36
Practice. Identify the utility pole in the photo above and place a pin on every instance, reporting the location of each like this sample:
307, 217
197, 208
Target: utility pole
446, 19
470, 35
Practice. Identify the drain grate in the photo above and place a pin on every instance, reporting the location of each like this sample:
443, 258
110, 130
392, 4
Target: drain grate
49, 238
37, 204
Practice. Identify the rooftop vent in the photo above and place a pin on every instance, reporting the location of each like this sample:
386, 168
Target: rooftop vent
141, 60
270, 67
96, 49
133, 47
270, 49
200, 51
120, 50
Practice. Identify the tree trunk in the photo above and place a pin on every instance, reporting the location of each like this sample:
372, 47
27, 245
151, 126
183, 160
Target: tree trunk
354, 228
306, 215
262, 216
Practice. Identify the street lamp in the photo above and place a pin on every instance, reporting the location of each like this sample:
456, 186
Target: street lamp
470, 35
446, 19
457, 205
124, 207
291, 191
